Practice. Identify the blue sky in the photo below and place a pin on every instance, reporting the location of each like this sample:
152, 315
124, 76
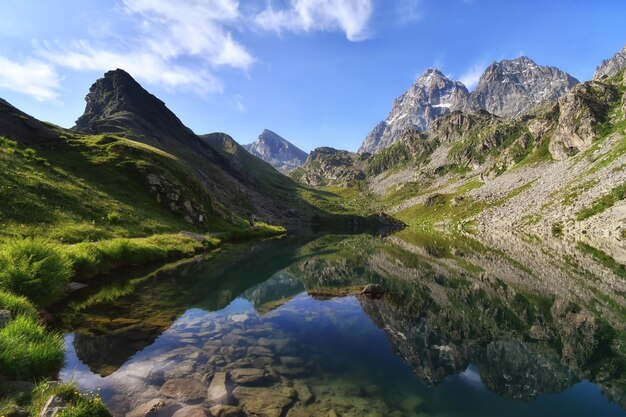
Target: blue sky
317, 72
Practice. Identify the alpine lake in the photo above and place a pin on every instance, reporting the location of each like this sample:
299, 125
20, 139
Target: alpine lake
504, 326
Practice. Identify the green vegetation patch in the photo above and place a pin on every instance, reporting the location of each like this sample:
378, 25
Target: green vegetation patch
78, 404
28, 351
603, 203
35, 268
604, 259
17, 305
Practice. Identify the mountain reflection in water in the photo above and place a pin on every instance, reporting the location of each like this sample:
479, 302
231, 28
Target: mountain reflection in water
517, 328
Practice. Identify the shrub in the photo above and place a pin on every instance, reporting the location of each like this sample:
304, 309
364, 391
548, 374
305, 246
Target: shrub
17, 305
28, 351
36, 268
557, 229
114, 217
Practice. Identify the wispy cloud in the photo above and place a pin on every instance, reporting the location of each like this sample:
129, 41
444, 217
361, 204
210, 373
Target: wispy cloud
349, 16
175, 44
31, 77
472, 75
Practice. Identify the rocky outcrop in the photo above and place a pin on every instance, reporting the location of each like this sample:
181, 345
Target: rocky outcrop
611, 66
430, 97
279, 152
581, 112
329, 166
512, 88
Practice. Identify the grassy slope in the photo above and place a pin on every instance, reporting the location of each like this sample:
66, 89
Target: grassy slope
85, 188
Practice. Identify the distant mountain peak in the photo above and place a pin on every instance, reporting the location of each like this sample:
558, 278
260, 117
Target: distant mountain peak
278, 151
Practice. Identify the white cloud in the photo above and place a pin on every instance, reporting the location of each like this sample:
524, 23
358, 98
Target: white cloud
241, 108
471, 77
174, 44
349, 16
143, 65
32, 77
191, 27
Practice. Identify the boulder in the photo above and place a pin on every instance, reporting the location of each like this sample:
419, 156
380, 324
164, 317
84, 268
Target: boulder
53, 406
373, 289
5, 318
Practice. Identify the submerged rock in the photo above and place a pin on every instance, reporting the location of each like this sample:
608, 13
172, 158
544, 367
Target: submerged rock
184, 389
222, 410
305, 395
190, 412
250, 376
219, 392
155, 408
265, 402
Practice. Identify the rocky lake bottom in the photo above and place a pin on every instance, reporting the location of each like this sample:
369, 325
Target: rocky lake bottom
280, 329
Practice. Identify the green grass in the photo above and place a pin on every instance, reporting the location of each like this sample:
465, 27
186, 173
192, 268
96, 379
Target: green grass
259, 230
78, 404
88, 188
35, 268
604, 259
603, 203
17, 305
28, 351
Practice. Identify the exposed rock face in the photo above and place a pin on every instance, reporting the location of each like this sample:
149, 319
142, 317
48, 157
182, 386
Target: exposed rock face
431, 96
581, 113
512, 88
611, 66
116, 103
329, 166
507, 89
279, 152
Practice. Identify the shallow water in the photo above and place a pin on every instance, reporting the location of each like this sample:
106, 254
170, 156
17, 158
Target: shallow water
286, 322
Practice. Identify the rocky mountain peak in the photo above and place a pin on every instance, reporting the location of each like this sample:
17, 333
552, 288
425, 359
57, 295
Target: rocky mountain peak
431, 96
511, 88
611, 66
278, 151
117, 103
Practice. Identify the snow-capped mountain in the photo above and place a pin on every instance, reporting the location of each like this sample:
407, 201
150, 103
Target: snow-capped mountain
279, 152
508, 88
431, 96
